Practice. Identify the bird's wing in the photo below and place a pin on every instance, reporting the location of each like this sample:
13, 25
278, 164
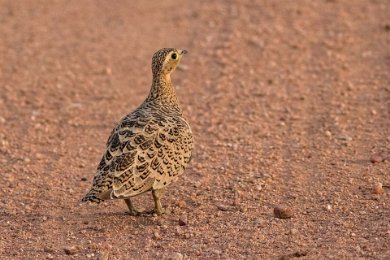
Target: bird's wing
158, 161
123, 155
162, 155
175, 145
142, 153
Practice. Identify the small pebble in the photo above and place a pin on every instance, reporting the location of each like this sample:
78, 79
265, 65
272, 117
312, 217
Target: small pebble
293, 231
328, 133
48, 250
182, 204
103, 255
84, 179
260, 222
222, 207
197, 184
216, 251
243, 209
376, 158
156, 235
378, 189
283, 212
176, 256
70, 250
108, 71
183, 221
345, 138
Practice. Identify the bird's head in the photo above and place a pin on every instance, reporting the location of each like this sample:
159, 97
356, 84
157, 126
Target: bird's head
166, 60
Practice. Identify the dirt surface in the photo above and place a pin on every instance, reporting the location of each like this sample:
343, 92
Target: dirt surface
288, 102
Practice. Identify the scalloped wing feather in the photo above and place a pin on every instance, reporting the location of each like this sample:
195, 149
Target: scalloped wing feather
143, 153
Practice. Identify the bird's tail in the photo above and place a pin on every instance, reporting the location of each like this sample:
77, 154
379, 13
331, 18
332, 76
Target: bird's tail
90, 197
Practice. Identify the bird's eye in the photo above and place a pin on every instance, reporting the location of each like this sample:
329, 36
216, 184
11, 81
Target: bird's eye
174, 56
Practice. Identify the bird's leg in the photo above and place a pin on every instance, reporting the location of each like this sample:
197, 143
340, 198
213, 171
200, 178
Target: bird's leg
157, 194
132, 211
158, 209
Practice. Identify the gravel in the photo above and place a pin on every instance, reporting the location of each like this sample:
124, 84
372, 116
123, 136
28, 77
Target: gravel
283, 212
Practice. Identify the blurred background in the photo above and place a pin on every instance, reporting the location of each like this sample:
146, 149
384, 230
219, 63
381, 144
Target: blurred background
288, 102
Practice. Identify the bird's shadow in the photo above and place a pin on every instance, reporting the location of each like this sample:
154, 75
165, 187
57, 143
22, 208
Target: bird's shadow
123, 217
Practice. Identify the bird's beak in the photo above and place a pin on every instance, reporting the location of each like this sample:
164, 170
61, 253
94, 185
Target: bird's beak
183, 52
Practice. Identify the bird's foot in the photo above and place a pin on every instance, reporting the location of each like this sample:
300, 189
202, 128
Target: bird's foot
154, 211
132, 210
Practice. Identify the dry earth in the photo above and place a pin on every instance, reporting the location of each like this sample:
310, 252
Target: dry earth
288, 101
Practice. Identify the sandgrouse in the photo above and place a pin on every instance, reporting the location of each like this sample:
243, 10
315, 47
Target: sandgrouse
150, 147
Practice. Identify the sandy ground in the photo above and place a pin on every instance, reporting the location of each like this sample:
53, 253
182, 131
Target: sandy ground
288, 102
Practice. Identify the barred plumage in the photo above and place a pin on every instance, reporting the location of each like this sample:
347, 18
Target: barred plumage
150, 147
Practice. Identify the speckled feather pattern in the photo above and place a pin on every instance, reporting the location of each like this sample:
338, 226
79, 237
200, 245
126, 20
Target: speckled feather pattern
150, 147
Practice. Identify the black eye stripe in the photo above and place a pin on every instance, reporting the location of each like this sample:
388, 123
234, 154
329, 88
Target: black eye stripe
174, 56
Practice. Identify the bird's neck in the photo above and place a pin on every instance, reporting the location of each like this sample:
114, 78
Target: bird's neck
163, 90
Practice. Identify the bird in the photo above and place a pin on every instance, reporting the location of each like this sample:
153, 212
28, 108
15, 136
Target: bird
150, 147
